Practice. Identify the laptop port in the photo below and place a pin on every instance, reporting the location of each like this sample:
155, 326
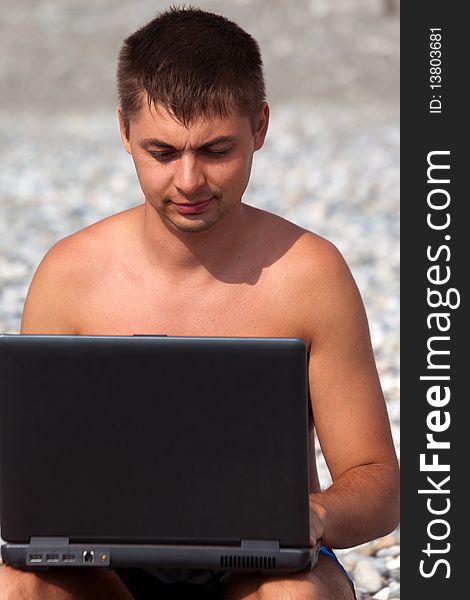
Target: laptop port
88, 556
52, 558
35, 558
68, 557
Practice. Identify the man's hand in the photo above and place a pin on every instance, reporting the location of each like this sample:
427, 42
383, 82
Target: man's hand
317, 516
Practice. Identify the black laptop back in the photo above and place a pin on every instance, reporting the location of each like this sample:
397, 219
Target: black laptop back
153, 441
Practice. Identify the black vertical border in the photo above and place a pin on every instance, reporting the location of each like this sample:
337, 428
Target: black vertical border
421, 133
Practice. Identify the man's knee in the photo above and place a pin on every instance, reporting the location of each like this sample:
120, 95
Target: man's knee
285, 589
262, 588
18, 585
61, 584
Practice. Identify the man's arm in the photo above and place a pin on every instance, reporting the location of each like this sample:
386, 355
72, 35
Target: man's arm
349, 414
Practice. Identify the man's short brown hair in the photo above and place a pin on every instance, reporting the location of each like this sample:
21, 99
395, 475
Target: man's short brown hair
195, 64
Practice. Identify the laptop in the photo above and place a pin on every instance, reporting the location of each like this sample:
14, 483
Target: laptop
154, 451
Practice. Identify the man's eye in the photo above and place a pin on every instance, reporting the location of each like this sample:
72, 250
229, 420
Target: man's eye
216, 153
168, 156
163, 156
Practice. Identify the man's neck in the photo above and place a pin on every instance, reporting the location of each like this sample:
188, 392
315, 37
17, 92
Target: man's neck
212, 253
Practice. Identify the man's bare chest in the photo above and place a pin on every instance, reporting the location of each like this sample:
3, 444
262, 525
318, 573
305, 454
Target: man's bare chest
226, 309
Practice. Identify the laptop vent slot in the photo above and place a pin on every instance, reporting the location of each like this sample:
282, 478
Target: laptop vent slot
234, 561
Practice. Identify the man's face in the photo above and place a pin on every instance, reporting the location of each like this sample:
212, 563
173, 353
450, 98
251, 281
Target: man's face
192, 176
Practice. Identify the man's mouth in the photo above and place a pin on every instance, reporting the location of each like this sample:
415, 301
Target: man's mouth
192, 208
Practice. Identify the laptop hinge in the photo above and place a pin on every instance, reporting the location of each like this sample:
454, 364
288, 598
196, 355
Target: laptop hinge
269, 545
49, 541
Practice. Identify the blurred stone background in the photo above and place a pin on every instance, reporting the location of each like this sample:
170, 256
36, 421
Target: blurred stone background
330, 162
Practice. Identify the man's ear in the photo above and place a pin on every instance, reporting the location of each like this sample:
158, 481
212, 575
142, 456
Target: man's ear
261, 126
122, 127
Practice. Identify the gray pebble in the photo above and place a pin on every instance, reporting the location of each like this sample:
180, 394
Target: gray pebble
367, 578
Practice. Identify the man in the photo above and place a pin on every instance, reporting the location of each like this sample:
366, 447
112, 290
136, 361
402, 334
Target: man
193, 259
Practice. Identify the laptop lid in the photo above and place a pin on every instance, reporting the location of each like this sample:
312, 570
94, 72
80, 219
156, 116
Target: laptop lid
153, 440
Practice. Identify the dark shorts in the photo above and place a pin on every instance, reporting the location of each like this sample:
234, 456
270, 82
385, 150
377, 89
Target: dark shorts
149, 584
185, 583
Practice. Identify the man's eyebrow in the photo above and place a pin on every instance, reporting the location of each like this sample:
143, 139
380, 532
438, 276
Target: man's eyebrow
146, 142
221, 139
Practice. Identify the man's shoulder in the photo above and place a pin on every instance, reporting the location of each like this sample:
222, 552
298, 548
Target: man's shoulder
91, 247
305, 251
71, 269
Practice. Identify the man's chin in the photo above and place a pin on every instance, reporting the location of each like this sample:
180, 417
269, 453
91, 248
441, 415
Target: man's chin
198, 223
192, 225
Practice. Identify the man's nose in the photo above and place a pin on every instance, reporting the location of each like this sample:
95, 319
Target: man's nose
189, 176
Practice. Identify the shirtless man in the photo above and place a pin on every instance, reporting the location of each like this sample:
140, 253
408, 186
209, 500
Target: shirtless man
193, 259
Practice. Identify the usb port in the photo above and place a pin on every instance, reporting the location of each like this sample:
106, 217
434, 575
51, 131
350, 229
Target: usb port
68, 557
52, 557
35, 558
